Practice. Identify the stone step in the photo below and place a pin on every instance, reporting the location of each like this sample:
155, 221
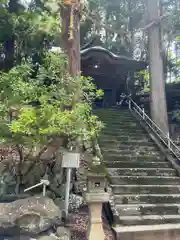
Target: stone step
122, 126
140, 158
124, 135
146, 198
134, 152
123, 132
148, 209
152, 180
124, 141
137, 164
141, 172
138, 152
112, 109
115, 110
111, 113
131, 142
145, 189
149, 219
123, 147
118, 120
148, 232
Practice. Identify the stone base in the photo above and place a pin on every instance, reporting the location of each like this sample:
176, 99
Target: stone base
97, 197
160, 232
95, 201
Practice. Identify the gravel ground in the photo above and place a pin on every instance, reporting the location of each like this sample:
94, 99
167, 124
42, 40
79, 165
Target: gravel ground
79, 221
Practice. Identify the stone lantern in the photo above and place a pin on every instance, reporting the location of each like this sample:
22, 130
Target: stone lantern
95, 197
96, 183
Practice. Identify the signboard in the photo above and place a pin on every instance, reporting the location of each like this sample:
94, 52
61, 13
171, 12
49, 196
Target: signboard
70, 160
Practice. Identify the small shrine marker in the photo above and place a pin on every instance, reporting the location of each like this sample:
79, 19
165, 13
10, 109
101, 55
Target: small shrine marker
70, 160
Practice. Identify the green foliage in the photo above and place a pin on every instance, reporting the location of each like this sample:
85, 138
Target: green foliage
32, 29
22, 122
142, 83
98, 169
176, 114
38, 27
113, 22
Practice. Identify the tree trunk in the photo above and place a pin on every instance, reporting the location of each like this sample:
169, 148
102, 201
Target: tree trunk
70, 16
9, 44
131, 29
19, 169
71, 36
157, 82
9, 47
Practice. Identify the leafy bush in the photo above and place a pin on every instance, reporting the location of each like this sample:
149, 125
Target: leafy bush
33, 113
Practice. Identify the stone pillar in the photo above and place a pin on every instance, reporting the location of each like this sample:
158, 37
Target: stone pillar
95, 197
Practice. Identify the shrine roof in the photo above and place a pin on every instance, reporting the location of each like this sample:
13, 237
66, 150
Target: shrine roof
98, 53
104, 54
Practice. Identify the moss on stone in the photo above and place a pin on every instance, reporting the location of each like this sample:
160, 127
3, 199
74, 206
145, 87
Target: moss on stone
99, 169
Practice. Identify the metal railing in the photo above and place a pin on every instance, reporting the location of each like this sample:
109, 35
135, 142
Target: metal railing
163, 137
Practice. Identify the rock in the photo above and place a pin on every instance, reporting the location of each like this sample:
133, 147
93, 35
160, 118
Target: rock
63, 233
47, 238
24, 238
61, 190
7, 183
3, 168
60, 203
51, 195
33, 177
57, 188
75, 201
81, 172
57, 167
28, 216
88, 145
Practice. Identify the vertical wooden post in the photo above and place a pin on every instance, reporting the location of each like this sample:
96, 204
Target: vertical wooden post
157, 81
70, 16
70, 19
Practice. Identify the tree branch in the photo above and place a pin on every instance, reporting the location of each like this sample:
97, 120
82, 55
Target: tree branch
155, 22
43, 149
37, 157
105, 26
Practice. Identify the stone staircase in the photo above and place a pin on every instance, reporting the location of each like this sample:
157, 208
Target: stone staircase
145, 186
